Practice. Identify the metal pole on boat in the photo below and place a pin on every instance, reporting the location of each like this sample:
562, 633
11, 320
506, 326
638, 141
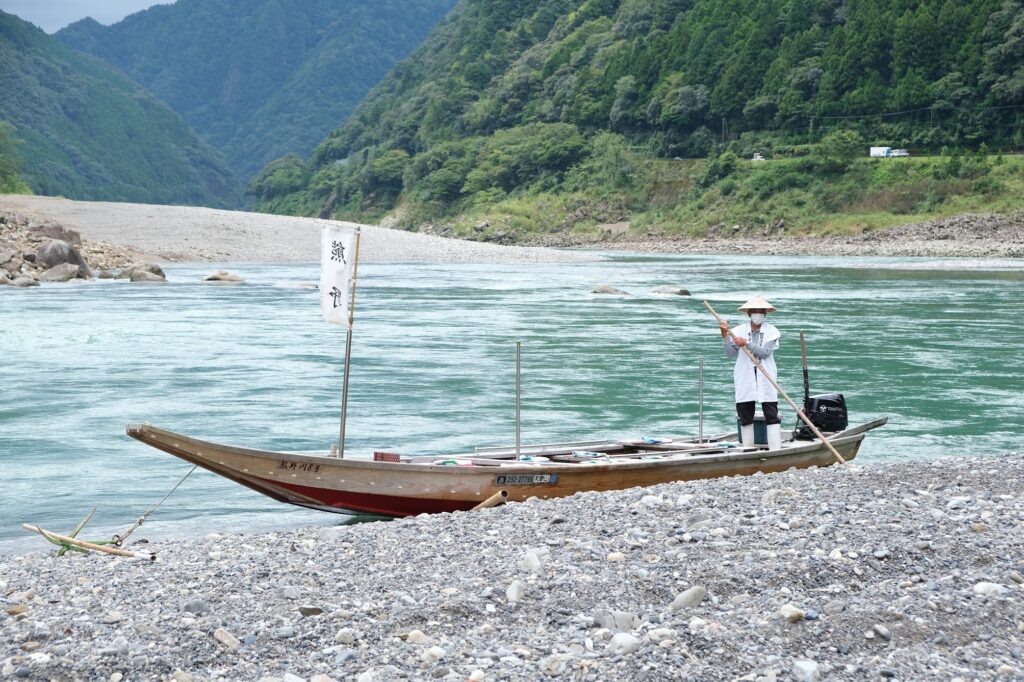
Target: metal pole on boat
519, 367
700, 400
348, 350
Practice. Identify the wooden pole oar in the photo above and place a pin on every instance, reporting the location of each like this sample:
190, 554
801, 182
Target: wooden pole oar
492, 501
60, 539
799, 412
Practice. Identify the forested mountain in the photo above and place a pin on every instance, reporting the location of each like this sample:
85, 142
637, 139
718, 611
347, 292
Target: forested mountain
261, 78
88, 132
548, 95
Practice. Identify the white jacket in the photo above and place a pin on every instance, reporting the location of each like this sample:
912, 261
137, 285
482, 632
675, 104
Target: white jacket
750, 385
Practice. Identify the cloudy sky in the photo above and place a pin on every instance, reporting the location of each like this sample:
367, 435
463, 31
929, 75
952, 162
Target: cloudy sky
53, 15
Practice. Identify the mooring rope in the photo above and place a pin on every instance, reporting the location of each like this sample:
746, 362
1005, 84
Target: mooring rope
118, 539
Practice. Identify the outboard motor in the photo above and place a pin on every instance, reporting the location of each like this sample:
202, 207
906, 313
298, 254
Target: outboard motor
826, 411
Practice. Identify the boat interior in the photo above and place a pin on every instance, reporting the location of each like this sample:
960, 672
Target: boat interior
598, 451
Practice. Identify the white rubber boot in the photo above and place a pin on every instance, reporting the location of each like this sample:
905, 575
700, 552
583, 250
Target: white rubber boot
747, 435
775, 436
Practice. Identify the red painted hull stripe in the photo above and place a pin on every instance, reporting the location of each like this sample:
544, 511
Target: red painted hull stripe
387, 505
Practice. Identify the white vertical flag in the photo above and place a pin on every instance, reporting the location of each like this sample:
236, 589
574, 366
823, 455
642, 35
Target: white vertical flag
337, 263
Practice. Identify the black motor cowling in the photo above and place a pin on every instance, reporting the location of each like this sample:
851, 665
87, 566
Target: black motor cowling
827, 412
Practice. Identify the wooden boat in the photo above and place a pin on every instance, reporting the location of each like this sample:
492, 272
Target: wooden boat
395, 485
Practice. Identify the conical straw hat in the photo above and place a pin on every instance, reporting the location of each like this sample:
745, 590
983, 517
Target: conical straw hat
757, 303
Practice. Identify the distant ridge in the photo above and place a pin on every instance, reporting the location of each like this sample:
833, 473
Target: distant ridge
507, 100
261, 78
90, 132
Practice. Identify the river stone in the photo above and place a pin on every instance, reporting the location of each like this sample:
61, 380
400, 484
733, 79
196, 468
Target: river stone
224, 276
671, 290
532, 562
13, 266
515, 591
689, 598
415, 637
986, 589
309, 611
556, 665
612, 291
60, 273
58, 232
623, 643
196, 606
661, 634
227, 639
56, 252
433, 654
805, 671
791, 613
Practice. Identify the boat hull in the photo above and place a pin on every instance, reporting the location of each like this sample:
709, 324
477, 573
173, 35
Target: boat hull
406, 489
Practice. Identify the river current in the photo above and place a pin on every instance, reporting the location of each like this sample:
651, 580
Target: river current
931, 344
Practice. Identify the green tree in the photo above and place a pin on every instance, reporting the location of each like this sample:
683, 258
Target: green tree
10, 162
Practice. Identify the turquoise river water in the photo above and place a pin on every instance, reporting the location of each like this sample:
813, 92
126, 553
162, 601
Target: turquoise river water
935, 345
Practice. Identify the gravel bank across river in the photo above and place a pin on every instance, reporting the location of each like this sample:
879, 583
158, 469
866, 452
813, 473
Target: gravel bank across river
909, 571
185, 233
968, 236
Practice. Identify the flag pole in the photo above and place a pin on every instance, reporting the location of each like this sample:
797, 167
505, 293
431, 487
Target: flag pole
348, 350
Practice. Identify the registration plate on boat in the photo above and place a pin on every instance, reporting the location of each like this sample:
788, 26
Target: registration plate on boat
526, 479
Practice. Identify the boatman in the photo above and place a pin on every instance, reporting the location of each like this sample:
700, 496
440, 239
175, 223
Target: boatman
762, 338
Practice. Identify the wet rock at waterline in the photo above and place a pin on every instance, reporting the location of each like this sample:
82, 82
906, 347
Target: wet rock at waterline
608, 290
670, 290
145, 276
224, 276
60, 273
132, 272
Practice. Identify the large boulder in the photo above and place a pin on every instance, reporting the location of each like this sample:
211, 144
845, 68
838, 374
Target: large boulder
151, 268
224, 276
25, 282
6, 257
609, 290
58, 232
56, 252
60, 273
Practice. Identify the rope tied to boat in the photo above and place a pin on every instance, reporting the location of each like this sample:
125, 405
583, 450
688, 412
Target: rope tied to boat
117, 540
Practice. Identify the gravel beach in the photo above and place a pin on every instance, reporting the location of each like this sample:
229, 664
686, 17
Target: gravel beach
185, 233
181, 233
908, 571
